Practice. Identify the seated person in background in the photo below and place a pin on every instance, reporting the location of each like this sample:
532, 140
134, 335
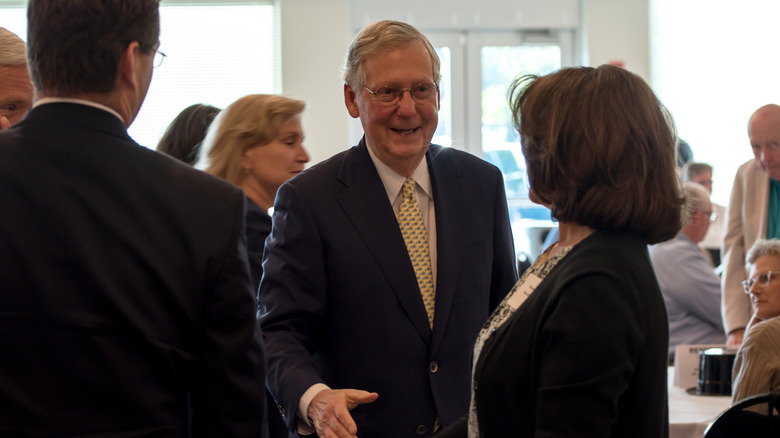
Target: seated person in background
757, 365
184, 135
690, 287
701, 173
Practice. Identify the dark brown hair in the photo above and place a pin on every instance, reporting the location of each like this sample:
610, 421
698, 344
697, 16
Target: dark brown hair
599, 149
74, 46
185, 134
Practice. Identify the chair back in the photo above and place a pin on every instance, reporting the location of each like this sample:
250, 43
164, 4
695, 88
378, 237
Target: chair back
755, 416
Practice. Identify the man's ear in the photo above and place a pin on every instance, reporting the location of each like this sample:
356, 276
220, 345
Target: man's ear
349, 101
128, 63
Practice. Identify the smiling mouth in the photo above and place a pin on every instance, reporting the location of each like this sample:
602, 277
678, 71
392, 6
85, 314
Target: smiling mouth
405, 131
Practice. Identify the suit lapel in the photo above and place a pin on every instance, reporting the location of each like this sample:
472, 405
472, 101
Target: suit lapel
365, 203
451, 196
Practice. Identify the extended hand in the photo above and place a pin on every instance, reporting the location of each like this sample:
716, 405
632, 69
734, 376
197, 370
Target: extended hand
329, 411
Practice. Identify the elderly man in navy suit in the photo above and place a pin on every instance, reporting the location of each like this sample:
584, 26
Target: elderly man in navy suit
126, 306
384, 260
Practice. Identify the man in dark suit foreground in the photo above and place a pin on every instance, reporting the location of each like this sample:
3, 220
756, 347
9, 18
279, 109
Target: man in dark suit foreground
125, 299
364, 334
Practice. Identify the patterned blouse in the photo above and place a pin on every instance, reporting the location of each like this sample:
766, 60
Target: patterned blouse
528, 281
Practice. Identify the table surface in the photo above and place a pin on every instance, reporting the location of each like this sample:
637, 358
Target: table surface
689, 414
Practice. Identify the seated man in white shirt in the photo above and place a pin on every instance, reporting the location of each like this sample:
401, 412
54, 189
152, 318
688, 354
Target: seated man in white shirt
701, 173
690, 287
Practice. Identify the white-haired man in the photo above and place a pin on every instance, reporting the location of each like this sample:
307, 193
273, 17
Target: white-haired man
690, 287
16, 90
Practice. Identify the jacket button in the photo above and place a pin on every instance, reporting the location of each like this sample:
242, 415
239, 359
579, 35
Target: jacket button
433, 366
421, 429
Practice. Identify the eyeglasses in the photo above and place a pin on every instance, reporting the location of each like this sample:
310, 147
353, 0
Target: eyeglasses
763, 279
421, 93
710, 214
159, 57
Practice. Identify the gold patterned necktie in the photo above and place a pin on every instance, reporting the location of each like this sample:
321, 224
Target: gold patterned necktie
415, 235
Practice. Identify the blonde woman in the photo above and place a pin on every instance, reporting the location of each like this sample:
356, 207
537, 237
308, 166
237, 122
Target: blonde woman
256, 143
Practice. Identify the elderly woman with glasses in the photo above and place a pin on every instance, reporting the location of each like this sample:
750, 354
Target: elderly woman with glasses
757, 366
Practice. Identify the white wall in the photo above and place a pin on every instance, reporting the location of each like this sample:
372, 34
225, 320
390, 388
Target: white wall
618, 30
316, 34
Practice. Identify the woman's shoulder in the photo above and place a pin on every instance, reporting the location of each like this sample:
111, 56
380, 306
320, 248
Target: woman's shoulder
765, 330
608, 251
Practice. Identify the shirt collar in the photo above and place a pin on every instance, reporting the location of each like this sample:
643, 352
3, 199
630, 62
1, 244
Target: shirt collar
393, 181
46, 100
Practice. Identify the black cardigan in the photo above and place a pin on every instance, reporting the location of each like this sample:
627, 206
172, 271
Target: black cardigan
585, 355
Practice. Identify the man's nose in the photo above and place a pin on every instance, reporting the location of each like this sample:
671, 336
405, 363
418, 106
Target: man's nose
407, 104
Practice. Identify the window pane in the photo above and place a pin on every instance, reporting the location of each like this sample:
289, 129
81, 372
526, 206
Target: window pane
500, 142
443, 134
714, 64
216, 54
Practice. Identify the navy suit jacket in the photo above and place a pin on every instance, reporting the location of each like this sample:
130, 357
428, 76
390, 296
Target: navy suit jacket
341, 300
124, 288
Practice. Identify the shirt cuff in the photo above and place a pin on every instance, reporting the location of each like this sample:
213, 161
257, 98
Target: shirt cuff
304, 423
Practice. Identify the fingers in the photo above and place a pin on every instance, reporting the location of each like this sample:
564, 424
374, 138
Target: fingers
329, 411
356, 397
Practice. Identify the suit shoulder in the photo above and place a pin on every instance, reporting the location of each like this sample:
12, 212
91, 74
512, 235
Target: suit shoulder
468, 162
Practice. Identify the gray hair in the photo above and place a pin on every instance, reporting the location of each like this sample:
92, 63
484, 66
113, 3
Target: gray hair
13, 50
691, 169
380, 37
696, 199
762, 247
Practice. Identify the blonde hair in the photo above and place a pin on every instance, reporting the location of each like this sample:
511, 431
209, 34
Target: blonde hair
250, 121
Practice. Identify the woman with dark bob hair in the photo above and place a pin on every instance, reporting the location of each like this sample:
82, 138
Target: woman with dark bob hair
579, 345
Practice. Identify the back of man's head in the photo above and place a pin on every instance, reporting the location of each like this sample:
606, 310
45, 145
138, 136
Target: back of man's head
74, 46
12, 49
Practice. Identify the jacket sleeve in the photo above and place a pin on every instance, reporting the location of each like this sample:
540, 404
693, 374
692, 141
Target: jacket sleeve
504, 274
228, 396
292, 298
735, 306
